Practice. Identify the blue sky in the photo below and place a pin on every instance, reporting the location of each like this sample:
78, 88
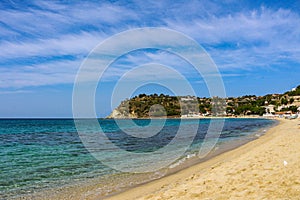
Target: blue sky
255, 45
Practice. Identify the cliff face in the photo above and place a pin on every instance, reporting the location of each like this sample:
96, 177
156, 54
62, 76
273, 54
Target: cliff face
117, 114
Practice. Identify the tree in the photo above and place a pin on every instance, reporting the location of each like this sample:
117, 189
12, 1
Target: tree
229, 110
260, 102
291, 108
284, 101
202, 109
142, 95
258, 110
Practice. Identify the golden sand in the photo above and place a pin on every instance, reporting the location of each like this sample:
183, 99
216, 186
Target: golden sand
266, 168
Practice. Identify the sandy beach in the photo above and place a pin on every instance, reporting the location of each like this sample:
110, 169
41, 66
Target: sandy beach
266, 168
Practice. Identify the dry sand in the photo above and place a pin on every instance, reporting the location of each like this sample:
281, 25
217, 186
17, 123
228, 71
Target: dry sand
266, 168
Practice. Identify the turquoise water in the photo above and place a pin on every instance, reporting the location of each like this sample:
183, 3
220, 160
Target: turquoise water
38, 154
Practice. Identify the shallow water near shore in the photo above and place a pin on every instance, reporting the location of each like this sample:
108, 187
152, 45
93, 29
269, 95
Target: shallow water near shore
40, 155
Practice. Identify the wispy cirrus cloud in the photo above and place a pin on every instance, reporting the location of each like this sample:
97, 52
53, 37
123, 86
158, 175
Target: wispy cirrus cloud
43, 43
237, 36
38, 75
250, 39
43, 30
16, 92
68, 44
47, 19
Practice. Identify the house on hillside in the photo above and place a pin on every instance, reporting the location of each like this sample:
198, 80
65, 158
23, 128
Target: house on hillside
270, 109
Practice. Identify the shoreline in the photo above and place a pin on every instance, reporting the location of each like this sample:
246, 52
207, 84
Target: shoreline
192, 117
205, 175
92, 191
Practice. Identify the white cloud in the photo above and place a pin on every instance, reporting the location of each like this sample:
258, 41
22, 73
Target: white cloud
254, 38
246, 26
39, 75
72, 44
239, 40
47, 18
15, 92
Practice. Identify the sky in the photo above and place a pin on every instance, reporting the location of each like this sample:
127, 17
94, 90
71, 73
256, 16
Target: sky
254, 44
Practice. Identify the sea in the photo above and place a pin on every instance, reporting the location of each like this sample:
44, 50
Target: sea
42, 155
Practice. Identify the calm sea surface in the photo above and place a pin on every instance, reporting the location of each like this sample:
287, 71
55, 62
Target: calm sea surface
42, 154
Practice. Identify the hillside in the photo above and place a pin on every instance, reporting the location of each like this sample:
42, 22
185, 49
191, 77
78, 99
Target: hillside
154, 105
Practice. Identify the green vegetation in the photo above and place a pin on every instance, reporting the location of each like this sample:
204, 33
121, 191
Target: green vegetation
143, 106
295, 92
290, 108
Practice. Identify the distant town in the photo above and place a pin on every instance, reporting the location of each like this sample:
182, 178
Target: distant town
154, 105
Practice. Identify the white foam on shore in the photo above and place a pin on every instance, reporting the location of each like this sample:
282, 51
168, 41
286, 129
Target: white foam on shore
182, 160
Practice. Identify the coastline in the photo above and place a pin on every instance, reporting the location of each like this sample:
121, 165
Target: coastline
161, 188
264, 168
194, 117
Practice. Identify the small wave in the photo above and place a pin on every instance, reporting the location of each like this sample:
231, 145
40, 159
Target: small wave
157, 175
182, 160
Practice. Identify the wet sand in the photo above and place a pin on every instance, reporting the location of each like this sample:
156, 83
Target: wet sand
266, 168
